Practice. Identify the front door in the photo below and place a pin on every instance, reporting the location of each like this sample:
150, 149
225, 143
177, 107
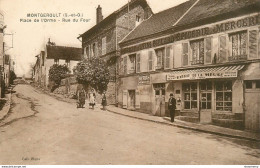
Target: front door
159, 107
205, 101
131, 103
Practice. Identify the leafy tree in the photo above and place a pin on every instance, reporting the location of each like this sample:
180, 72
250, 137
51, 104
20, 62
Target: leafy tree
93, 72
12, 77
57, 73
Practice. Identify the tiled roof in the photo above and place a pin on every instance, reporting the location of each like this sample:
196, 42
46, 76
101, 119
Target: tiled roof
61, 52
160, 21
205, 9
111, 17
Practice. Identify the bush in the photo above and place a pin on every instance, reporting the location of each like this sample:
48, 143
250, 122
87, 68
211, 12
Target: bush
56, 74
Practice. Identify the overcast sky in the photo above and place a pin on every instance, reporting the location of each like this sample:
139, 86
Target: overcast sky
29, 38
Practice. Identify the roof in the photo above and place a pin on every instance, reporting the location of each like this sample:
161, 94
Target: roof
61, 52
111, 17
206, 9
203, 12
160, 21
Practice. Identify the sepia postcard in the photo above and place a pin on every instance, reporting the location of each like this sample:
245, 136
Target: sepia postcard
129, 83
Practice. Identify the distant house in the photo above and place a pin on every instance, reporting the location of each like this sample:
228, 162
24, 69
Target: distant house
103, 38
54, 55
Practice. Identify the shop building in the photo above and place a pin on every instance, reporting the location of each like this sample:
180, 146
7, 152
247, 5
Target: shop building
102, 39
206, 53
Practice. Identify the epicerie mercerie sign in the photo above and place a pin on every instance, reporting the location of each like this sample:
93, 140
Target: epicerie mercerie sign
201, 75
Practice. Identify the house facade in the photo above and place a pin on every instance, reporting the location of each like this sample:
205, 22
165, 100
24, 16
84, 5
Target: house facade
1, 50
51, 55
209, 57
102, 39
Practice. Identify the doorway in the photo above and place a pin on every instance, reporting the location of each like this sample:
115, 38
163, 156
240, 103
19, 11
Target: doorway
159, 106
205, 101
131, 103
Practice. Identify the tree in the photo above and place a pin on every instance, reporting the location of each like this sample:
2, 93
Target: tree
12, 77
93, 72
57, 73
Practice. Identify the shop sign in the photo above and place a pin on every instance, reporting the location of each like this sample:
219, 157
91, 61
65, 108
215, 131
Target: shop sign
202, 75
216, 28
144, 80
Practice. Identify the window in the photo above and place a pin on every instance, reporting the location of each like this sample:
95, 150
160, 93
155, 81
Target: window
132, 59
224, 96
238, 42
94, 49
252, 84
56, 61
104, 45
160, 58
197, 52
67, 62
190, 95
87, 52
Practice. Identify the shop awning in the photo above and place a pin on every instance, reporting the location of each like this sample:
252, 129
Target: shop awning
205, 73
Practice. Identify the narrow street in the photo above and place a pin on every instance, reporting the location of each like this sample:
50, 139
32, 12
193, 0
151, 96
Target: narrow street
42, 130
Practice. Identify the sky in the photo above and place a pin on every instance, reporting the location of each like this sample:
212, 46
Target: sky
29, 38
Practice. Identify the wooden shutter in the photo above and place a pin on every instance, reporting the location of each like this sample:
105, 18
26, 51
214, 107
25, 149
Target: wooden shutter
208, 50
125, 65
185, 54
125, 99
252, 44
167, 57
138, 62
137, 99
150, 60
222, 48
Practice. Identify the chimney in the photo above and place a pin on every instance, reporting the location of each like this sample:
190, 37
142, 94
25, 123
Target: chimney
99, 14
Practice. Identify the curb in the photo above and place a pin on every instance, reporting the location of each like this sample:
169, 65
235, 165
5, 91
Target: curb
190, 128
7, 107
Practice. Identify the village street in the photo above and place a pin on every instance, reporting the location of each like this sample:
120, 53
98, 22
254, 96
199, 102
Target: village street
43, 130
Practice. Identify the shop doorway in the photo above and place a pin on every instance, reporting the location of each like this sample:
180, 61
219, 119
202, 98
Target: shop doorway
205, 101
159, 106
131, 100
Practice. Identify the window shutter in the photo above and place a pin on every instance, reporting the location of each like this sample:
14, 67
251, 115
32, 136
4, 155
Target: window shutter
172, 57
124, 99
137, 99
185, 54
167, 57
222, 48
150, 61
252, 44
138, 62
208, 48
125, 65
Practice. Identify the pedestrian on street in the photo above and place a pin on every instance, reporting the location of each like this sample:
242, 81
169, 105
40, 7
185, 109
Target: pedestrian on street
104, 101
92, 101
81, 98
172, 106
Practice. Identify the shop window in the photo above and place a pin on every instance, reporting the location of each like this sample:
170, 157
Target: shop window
190, 95
224, 96
160, 58
132, 64
197, 52
159, 89
238, 42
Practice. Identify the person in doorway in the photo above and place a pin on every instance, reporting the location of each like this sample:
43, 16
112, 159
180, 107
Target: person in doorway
92, 99
81, 98
104, 101
172, 106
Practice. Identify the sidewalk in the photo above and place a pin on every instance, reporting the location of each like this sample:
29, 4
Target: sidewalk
7, 106
253, 136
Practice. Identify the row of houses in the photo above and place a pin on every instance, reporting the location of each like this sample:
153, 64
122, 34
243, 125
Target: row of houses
205, 52
6, 63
